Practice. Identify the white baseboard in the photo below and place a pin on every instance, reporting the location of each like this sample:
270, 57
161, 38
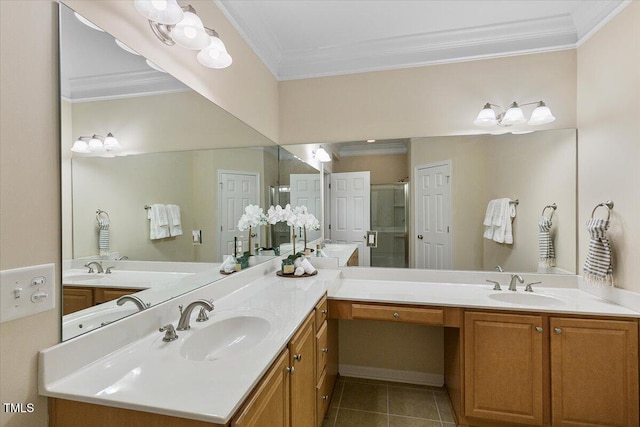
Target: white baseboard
373, 373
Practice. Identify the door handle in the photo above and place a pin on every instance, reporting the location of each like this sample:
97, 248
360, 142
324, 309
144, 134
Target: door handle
420, 236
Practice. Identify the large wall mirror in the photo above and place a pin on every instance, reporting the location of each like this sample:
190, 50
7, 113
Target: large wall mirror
428, 200
119, 206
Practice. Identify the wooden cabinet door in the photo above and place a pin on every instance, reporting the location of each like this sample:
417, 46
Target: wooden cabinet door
503, 367
594, 372
109, 294
268, 406
76, 299
303, 377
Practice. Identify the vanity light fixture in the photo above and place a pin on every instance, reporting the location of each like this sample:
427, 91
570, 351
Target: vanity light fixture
321, 155
86, 22
371, 141
174, 24
96, 144
514, 115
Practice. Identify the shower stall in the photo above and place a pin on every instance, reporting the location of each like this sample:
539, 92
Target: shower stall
390, 218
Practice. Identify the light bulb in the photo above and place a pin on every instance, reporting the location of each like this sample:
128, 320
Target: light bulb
322, 155
486, 117
111, 143
190, 33
86, 22
95, 144
154, 66
80, 146
166, 12
215, 54
541, 115
514, 115
125, 47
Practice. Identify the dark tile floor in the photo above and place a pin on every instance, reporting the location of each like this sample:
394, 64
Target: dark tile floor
370, 403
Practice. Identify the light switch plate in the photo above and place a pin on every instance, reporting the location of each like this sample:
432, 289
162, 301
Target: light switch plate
27, 290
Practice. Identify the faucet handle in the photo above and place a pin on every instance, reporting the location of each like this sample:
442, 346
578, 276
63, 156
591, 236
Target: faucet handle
108, 270
202, 315
496, 285
90, 268
170, 333
528, 287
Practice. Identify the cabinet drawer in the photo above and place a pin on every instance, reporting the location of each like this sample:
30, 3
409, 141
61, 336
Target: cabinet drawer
322, 350
321, 312
426, 316
323, 397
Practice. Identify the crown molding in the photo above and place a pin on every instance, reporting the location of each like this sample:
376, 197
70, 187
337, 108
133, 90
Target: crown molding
121, 85
553, 33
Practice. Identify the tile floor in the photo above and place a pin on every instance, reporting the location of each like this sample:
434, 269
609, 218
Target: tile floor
370, 403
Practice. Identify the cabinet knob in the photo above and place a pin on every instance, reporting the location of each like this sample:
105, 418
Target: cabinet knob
324, 312
291, 369
325, 397
297, 357
325, 349
557, 330
539, 329
396, 315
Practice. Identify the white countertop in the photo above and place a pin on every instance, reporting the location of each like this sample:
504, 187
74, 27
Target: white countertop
209, 391
124, 364
553, 299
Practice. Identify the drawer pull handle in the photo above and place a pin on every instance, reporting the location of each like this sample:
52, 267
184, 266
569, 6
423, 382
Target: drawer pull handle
325, 349
396, 315
557, 330
539, 329
297, 357
291, 369
325, 397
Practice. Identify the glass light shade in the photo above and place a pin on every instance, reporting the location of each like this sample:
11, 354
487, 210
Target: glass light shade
541, 115
111, 143
514, 115
95, 144
154, 66
125, 47
166, 12
190, 33
486, 117
80, 146
215, 55
322, 155
86, 22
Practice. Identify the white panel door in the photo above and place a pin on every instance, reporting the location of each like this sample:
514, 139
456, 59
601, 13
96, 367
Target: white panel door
433, 216
305, 191
351, 211
236, 190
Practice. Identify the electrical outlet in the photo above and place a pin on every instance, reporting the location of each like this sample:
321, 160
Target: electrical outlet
27, 290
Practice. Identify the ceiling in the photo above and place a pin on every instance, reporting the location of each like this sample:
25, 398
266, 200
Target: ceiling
310, 38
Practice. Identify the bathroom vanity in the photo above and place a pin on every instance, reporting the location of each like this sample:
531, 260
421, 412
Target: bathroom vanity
555, 356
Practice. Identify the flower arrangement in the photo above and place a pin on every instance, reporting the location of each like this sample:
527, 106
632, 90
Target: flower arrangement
298, 217
253, 217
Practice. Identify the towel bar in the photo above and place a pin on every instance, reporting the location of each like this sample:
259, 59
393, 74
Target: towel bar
608, 204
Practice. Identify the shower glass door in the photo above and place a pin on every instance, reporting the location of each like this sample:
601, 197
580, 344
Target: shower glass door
389, 217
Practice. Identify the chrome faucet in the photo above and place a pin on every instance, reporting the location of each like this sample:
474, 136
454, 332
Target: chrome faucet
512, 284
324, 243
134, 299
97, 264
183, 323
498, 268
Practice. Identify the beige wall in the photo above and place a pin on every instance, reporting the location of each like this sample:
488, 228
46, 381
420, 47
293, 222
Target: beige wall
424, 101
609, 138
246, 89
29, 188
384, 169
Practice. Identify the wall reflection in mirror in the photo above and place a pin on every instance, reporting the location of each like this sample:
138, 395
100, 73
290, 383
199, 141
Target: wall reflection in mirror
154, 218
454, 184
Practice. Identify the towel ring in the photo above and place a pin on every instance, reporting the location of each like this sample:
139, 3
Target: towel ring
608, 204
101, 214
553, 207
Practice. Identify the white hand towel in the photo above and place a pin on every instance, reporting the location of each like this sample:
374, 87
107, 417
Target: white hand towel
492, 208
175, 222
306, 265
502, 232
299, 271
158, 224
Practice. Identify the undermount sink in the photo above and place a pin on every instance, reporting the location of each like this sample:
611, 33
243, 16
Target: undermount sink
225, 338
525, 298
